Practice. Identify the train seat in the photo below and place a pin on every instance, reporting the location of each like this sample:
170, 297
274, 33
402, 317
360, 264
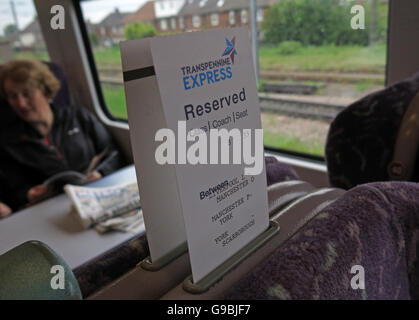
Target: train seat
277, 171
97, 273
369, 140
33, 271
137, 283
290, 219
372, 229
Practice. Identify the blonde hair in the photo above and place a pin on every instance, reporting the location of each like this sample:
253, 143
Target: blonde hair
31, 72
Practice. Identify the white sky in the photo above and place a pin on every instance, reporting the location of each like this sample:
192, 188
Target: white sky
94, 10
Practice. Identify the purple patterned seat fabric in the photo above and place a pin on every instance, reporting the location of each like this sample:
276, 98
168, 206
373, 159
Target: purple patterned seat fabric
375, 226
95, 274
361, 138
277, 172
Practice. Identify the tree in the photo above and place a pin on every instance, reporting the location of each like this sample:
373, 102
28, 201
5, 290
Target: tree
94, 40
10, 29
374, 22
311, 22
139, 30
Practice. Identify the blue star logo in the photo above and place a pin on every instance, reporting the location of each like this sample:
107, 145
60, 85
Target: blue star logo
230, 50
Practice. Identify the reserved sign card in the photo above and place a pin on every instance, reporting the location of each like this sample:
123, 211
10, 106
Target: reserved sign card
197, 143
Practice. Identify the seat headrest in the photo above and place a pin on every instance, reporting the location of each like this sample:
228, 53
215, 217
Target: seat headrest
373, 226
361, 142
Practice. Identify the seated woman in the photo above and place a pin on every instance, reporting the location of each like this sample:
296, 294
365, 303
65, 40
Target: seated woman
46, 139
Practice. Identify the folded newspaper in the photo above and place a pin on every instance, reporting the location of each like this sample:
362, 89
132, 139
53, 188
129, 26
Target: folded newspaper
108, 208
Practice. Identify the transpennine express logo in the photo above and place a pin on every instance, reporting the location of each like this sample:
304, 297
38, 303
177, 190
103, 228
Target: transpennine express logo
230, 50
207, 73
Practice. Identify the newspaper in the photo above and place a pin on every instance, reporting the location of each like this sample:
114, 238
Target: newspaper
108, 208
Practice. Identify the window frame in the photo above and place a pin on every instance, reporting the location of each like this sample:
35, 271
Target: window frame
92, 63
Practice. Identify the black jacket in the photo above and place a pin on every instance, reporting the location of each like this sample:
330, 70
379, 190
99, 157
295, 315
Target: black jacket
27, 160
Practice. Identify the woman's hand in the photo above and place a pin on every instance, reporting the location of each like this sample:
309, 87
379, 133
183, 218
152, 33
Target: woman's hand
4, 210
38, 193
95, 175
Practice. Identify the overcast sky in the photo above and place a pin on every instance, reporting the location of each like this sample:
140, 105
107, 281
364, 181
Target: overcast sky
94, 10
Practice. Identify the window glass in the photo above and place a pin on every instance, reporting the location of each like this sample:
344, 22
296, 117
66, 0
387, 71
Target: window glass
196, 21
232, 17
20, 33
259, 16
214, 19
163, 24
311, 71
315, 57
244, 16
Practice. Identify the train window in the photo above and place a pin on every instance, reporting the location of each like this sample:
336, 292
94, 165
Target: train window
20, 33
315, 57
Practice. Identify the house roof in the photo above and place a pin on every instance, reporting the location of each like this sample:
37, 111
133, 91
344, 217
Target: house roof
32, 27
144, 13
198, 7
113, 19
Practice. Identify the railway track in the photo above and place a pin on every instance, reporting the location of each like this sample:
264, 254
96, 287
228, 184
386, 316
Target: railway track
313, 107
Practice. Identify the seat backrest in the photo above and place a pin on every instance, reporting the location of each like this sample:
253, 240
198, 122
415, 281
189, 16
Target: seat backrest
277, 171
291, 218
406, 147
29, 272
372, 229
63, 95
362, 139
103, 270
143, 281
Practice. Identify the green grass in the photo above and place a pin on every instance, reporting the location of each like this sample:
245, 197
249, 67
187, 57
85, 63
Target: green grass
326, 59
321, 59
108, 57
283, 141
32, 55
364, 85
115, 100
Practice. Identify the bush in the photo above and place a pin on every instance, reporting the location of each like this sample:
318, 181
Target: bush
289, 47
312, 22
139, 30
94, 40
